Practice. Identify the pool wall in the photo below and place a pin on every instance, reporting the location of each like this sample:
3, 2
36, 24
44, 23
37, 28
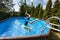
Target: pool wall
27, 38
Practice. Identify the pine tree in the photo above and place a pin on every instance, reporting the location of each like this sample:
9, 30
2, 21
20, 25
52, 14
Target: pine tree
6, 5
48, 10
58, 13
37, 11
22, 10
55, 7
41, 13
32, 10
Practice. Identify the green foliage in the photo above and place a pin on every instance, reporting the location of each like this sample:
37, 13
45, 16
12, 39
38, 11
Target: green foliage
22, 10
32, 11
38, 12
49, 5
41, 13
55, 7
4, 15
56, 10
48, 10
58, 13
5, 6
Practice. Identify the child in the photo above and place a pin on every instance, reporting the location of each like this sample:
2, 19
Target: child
28, 15
26, 23
28, 18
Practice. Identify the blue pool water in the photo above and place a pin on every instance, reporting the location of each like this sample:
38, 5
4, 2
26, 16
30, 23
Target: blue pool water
15, 27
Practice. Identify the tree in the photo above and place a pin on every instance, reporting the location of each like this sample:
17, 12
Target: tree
37, 11
2, 7
41, 13
23, 7
4, 15
55, 7
32, 10
22, 10
58, 13
48, 10
6, 5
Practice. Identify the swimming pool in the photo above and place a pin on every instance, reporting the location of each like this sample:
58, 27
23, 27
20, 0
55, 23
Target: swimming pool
14, 27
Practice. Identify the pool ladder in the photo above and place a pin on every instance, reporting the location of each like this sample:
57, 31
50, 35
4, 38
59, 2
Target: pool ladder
48, 21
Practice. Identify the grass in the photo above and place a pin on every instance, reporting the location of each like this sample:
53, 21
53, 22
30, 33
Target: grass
53, 36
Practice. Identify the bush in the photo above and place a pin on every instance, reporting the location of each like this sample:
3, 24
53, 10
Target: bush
4, 15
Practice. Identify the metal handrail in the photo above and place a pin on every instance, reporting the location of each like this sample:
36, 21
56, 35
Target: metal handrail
55, 18
53, 23
48, 22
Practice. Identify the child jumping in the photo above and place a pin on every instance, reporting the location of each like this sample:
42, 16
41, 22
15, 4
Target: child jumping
26, 23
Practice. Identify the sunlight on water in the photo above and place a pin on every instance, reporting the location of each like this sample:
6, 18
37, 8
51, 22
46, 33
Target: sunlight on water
16, 22
22, 26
